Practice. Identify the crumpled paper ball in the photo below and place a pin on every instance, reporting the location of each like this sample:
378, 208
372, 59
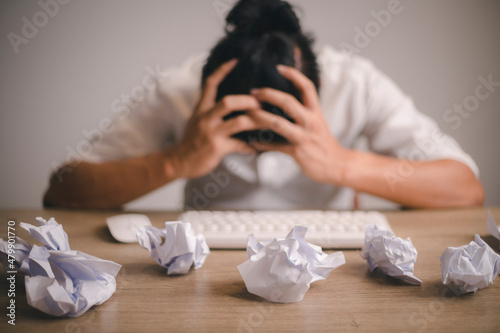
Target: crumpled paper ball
68, 283
469, 267
281, 270
59, 281
392, 255
175, 247
49, 233
19, 251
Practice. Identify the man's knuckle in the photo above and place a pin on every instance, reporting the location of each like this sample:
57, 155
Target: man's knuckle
309, 86
239, 122
202, 123
211, 143
276, 123
288, 103
226, 102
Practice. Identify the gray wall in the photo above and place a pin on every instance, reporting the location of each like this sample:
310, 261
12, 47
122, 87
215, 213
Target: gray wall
86, 54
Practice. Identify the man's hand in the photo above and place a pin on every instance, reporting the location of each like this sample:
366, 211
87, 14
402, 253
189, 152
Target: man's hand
317, 152
207, 137
441, 183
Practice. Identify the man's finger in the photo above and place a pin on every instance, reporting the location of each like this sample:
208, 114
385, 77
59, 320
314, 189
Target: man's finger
261, 146
290, 131
289, 104
239, 124
209, 94
302, 82
238, 146
232, 103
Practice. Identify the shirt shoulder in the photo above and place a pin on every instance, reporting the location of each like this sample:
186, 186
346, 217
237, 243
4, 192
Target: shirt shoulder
335, 64
346, 84
156, 118
183, 81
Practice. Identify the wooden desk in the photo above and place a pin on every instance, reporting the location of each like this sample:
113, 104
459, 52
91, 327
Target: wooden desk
214, 298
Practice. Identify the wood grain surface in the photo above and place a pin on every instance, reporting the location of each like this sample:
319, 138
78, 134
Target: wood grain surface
214, 298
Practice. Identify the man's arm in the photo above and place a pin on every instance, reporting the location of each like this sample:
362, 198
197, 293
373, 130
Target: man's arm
206, 140
441, 183
107, 185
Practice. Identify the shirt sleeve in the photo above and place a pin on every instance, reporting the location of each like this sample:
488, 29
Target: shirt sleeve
396, 128
152, 117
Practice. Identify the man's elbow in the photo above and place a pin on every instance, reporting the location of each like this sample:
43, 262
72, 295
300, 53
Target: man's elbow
47, 201
475, 194
75, 191
55, 197
54, 200
54, 194
470, 192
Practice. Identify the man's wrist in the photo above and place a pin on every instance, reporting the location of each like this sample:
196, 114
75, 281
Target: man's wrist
346, 165
171, 165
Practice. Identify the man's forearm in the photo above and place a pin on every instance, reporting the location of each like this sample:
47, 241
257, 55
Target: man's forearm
441, 183
107, 185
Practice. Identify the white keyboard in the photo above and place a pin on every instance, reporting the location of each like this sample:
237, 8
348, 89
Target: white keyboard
328, 229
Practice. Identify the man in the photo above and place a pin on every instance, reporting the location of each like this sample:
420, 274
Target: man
176, 132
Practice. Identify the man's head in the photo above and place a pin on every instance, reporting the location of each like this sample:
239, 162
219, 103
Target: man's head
262, 34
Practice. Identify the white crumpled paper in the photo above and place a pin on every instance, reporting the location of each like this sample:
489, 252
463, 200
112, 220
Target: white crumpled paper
491, 226
469, 267
175, 247
19, 253
59, 281
281, 270
392, 255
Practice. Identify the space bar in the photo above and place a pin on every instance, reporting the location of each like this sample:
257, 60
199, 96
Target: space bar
328, 241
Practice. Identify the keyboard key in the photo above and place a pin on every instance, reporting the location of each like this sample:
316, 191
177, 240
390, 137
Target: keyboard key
329, 229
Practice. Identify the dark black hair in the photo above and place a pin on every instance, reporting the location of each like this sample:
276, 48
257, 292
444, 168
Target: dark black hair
261, 34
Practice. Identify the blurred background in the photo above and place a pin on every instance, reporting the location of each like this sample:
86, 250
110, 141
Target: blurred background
64, 63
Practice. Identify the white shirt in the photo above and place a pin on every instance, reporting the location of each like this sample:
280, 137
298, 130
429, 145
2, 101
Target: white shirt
356, 98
